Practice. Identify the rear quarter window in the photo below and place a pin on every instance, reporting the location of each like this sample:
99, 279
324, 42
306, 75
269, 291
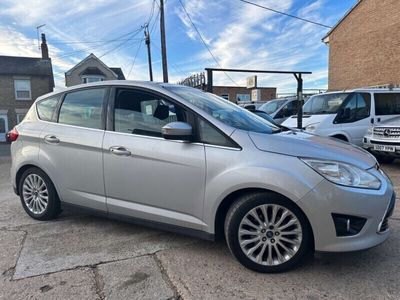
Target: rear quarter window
387, 104
46, 108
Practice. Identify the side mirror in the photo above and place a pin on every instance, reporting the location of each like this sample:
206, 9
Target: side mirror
177, 131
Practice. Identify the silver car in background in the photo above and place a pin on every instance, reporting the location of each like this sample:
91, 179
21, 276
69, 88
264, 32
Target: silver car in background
281, 109
179, 159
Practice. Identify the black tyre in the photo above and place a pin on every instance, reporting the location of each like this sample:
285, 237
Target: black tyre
385, 159
38, 195
267, 233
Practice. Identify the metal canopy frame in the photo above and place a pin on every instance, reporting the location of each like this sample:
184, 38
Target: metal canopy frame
297, 75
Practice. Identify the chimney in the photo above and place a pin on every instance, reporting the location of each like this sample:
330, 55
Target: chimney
43, 46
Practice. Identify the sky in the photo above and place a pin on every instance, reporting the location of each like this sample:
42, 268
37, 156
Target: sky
238, 35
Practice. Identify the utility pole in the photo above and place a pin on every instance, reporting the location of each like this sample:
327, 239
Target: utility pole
147, 40
163, 46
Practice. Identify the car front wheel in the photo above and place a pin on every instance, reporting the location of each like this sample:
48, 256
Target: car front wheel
267, 233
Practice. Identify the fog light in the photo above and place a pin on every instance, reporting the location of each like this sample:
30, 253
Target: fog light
347, 225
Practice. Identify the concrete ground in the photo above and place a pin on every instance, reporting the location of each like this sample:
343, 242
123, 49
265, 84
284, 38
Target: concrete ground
79, 256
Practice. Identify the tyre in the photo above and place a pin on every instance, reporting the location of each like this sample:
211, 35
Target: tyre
267, 233
38, 195
385, 159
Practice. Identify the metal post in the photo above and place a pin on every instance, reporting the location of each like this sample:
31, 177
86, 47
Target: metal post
147, 37
163, 45
209, 80
300, 100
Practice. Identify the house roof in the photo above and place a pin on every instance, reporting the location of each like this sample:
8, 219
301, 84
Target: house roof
119, 73
325, 39
90, 56
15, 65
92, 71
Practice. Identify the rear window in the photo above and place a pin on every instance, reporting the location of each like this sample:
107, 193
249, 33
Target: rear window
45, 108
387, 104
83, 108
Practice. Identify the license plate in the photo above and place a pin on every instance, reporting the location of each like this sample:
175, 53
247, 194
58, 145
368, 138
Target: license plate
385, 148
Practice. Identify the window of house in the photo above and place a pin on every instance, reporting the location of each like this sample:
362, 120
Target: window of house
143, 113
22, 89
243, 97
225, 96
387, 104
89, 79
20, 117
45, 108
83, 108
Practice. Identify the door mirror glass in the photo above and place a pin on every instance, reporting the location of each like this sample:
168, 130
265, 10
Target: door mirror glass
177, 131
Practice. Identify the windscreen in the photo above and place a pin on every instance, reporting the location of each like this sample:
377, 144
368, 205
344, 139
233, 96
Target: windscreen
224, 110
272, 106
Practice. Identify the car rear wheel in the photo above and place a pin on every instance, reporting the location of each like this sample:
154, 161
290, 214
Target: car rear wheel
267, 233
38, 195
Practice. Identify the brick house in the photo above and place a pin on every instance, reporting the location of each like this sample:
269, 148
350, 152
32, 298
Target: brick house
92, 69
364, 46
22, 80
242, 93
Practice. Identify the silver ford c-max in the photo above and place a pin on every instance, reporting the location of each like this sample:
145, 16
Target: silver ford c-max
183, 160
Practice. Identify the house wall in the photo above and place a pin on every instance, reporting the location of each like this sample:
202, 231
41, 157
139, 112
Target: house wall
40, 85
266, 93
364, 50
74, 78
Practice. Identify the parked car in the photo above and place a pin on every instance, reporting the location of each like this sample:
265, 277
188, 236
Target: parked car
383, 140
280, 109
347, 115
179, 159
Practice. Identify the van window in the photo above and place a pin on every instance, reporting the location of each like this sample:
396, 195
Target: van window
45, 108
358, 107
324, 104
83, 108
387, 104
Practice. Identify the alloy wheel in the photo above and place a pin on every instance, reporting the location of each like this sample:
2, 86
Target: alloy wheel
35, 194
270, 234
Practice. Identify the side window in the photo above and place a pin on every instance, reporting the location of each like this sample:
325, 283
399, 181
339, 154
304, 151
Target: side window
143, 113
288, 110
209, 135
45, 108
387, 104
357, 108
83, 108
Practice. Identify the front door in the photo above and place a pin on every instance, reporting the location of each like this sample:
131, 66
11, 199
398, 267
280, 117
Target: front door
147, 176
3, 127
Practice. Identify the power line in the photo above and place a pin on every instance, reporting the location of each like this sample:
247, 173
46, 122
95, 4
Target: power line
285, 14
134, 59
117, 47
204, 43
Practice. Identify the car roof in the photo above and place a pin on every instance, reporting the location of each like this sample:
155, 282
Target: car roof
365, 90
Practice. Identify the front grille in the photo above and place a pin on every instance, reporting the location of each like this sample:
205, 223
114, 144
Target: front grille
391, 143
387, 132
384, 225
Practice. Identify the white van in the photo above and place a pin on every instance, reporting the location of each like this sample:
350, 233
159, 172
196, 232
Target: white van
346, 115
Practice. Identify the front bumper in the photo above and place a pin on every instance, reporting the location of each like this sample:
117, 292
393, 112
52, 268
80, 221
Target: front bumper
369, 142
373, 205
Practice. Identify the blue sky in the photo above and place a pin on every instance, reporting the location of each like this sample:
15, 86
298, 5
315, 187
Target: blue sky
239, 35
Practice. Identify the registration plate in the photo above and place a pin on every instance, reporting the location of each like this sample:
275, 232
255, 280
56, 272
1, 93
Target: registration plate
385, 148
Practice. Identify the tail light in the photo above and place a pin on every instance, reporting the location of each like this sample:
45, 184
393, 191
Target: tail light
12, 135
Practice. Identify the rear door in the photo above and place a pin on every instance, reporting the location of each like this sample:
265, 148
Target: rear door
71, 147
147, 176
387, 106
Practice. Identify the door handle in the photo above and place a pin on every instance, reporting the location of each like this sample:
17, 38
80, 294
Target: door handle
51, 139
119, 150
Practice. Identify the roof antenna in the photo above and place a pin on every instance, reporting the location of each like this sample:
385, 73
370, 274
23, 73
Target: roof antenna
38, 35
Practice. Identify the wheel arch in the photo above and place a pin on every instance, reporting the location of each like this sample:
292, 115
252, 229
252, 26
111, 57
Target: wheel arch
340, 136
231, 198
21, 171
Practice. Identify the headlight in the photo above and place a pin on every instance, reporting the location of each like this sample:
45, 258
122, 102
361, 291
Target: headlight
370, 130
344, 174
312, 127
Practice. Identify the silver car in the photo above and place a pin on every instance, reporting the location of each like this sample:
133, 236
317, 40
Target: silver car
179, 159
